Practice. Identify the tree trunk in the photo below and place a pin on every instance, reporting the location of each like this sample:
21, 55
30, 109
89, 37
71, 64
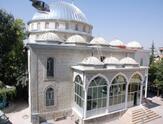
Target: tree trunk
158, 92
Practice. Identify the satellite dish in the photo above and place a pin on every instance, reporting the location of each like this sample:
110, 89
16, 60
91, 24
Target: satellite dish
40, 5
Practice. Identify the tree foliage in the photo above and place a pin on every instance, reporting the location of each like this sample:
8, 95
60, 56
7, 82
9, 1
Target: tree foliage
8, 93
152, 56
156, 72
159, 75
13, 61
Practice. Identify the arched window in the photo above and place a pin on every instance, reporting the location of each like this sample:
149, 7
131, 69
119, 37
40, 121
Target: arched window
56, 25
38, 26
117, 91
141, 62
49, 97
50, 67
97, 94
32, 26
47, 25
67, 25
79, 93
76, 27
84, 28
134, 90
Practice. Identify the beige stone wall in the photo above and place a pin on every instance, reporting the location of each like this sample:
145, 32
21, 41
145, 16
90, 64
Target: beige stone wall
62, 83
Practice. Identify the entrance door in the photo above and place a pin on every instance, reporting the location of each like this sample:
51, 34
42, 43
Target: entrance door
135, 98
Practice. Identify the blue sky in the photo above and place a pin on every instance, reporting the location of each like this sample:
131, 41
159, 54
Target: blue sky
127, 20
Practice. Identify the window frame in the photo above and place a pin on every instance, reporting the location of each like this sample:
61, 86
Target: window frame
56, 25
79, 91
67, 25
97, 97
38, 26
47, 25
50, 102
48, 75
117, 91
76, 27
131, 85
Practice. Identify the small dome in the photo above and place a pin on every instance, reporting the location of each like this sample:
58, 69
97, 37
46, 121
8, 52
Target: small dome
111, 60
128, 60
134, 45
91, 61
49, 36
62, 10
76, 39
117, 43
99, 41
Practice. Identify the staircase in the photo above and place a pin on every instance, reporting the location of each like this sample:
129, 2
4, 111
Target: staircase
143, 115
138, 115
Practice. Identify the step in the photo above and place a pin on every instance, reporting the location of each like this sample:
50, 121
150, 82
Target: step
146, 120
147, 114
154, 118
141, 110
148, 117
142, 113
137, 110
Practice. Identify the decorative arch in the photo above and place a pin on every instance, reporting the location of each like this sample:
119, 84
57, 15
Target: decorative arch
97, 93
98, 75
77, 74
134, 89
50, 67
141, 76
117, 92
78, 79
79, 92
120, 73
49, 96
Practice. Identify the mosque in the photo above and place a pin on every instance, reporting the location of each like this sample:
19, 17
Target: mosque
72, 73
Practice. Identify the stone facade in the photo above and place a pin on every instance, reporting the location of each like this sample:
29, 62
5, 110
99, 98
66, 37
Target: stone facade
62, 82
67, 64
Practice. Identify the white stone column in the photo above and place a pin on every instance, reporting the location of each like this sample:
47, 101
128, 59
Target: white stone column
146, 83
85, 103
85, 96
108, 97
126, 95
29, 84
141, 92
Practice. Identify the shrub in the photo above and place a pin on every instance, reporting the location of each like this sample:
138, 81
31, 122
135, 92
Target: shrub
7, 93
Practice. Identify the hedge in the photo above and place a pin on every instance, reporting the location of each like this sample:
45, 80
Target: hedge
8, 93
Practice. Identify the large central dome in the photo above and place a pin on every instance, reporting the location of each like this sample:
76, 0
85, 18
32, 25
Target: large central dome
62, 10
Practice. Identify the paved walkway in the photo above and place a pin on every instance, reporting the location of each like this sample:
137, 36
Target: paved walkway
19, 114
158, 109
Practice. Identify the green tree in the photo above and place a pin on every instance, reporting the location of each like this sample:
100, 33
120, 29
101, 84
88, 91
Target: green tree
153, 67
13, 61
159, 76
152, 56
